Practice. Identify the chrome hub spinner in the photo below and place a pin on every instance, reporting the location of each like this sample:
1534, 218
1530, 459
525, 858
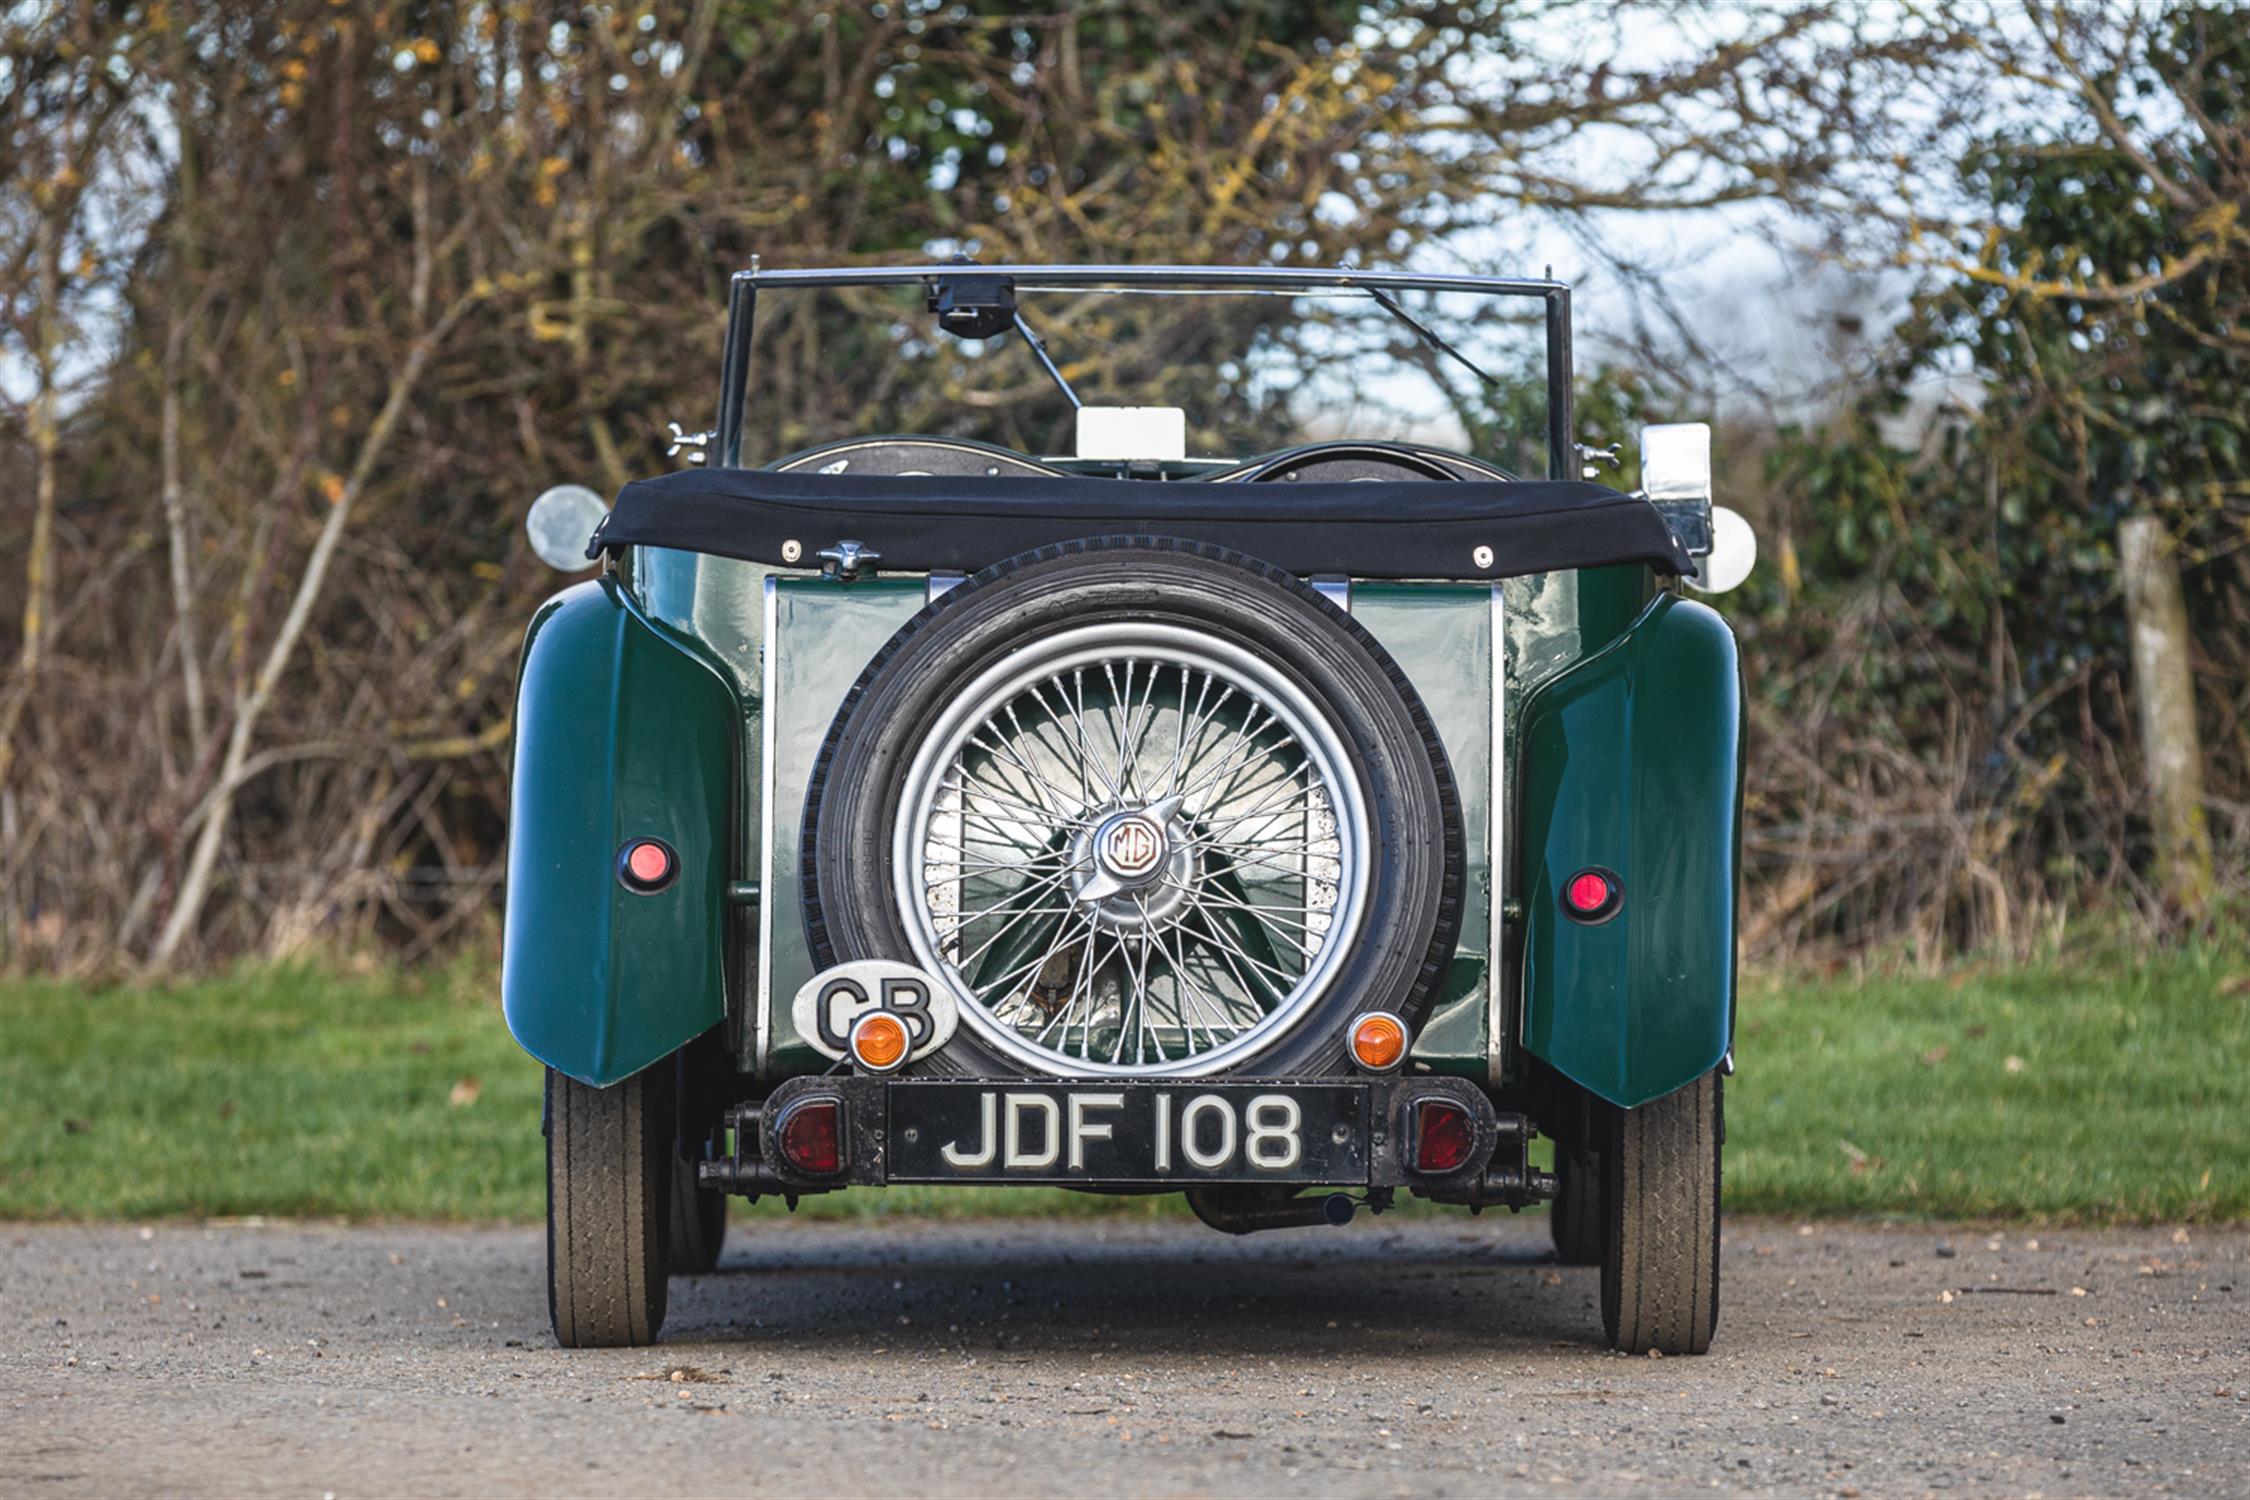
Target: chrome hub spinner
1134, 868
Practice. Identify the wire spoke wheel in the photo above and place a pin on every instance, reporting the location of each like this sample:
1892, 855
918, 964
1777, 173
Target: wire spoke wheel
1132, 849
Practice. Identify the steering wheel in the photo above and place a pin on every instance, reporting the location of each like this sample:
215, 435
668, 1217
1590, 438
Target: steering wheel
1355, 462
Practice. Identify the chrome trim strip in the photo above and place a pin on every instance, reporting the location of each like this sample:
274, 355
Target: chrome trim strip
939, 584
1496, 842
762, 1049
1253, 277
1335, 588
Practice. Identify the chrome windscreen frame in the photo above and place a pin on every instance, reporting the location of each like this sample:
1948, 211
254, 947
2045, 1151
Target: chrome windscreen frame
742, 309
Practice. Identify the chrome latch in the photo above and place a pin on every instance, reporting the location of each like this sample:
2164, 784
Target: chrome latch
693, 444
1591, 457
844, 560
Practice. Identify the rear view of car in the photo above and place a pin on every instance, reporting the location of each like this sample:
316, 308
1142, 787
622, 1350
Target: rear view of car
1188, 758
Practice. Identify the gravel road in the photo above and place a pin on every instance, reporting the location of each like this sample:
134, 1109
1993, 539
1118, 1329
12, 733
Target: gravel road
1435, 1356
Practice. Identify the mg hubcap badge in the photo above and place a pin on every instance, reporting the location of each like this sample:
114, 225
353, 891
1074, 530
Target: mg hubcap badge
1130, 847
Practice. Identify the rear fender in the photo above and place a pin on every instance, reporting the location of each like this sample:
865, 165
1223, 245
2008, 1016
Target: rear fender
621, 734
1633, 764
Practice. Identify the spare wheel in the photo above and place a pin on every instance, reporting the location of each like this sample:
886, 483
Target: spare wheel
1148, 808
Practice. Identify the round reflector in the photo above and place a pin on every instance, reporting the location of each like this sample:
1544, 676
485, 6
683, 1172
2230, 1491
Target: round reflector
1591, 895
879, 1041
646, 865
1378, 1041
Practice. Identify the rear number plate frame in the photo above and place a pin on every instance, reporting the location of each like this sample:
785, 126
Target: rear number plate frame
1164, 1131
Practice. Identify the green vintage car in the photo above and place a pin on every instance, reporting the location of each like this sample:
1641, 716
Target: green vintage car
1219, 741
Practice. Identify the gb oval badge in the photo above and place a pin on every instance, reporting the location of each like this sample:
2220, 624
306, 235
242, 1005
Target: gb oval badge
830, 1002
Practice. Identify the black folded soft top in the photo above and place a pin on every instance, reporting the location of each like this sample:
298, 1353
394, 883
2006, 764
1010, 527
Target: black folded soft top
1372, 529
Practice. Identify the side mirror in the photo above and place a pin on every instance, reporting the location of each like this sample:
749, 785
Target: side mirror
561, 522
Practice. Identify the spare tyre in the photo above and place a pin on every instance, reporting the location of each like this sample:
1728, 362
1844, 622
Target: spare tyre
1148, 808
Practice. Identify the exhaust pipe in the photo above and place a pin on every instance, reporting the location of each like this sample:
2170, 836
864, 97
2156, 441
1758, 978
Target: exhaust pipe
1240, 1212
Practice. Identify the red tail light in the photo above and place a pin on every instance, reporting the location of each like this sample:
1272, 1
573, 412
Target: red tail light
811, 1136
1592, 895
1444, 1136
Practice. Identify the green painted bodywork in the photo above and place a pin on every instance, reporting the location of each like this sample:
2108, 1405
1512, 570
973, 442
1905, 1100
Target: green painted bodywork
1633, 763
682, 697
1442, 635
823, 635
718, 603
623, 731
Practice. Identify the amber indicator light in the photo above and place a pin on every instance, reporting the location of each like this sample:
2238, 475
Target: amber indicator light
1378, 1041
879, 1041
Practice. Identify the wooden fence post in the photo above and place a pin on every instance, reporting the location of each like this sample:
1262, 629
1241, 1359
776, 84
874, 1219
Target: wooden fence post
2164, 695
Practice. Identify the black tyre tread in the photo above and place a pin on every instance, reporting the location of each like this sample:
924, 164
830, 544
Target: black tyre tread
1660, 1260
1436, 960
609, 1179
1575, 1217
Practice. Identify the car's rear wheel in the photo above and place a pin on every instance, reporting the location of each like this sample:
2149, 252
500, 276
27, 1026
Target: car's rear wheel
1147, 808
1660, 1252
704, 1079
1575, 1217
699, 1221
610, 1166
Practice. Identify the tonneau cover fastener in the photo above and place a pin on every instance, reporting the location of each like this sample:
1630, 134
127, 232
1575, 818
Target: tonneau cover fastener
844, 560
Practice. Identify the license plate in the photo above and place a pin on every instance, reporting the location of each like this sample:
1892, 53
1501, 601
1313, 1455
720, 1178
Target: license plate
1167, 1132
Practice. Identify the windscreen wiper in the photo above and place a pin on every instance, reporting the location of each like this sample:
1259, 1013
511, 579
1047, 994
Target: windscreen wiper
1427, 336
1046, 362
976, 305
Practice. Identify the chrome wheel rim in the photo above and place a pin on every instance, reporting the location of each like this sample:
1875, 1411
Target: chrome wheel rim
1131, 849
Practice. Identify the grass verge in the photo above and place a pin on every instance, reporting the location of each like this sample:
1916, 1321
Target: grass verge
2110, 1092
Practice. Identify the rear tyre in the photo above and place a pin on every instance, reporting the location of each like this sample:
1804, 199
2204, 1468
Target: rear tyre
1575, 1218
1660, 1257
699, 1222
610, 1167
705, 1077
